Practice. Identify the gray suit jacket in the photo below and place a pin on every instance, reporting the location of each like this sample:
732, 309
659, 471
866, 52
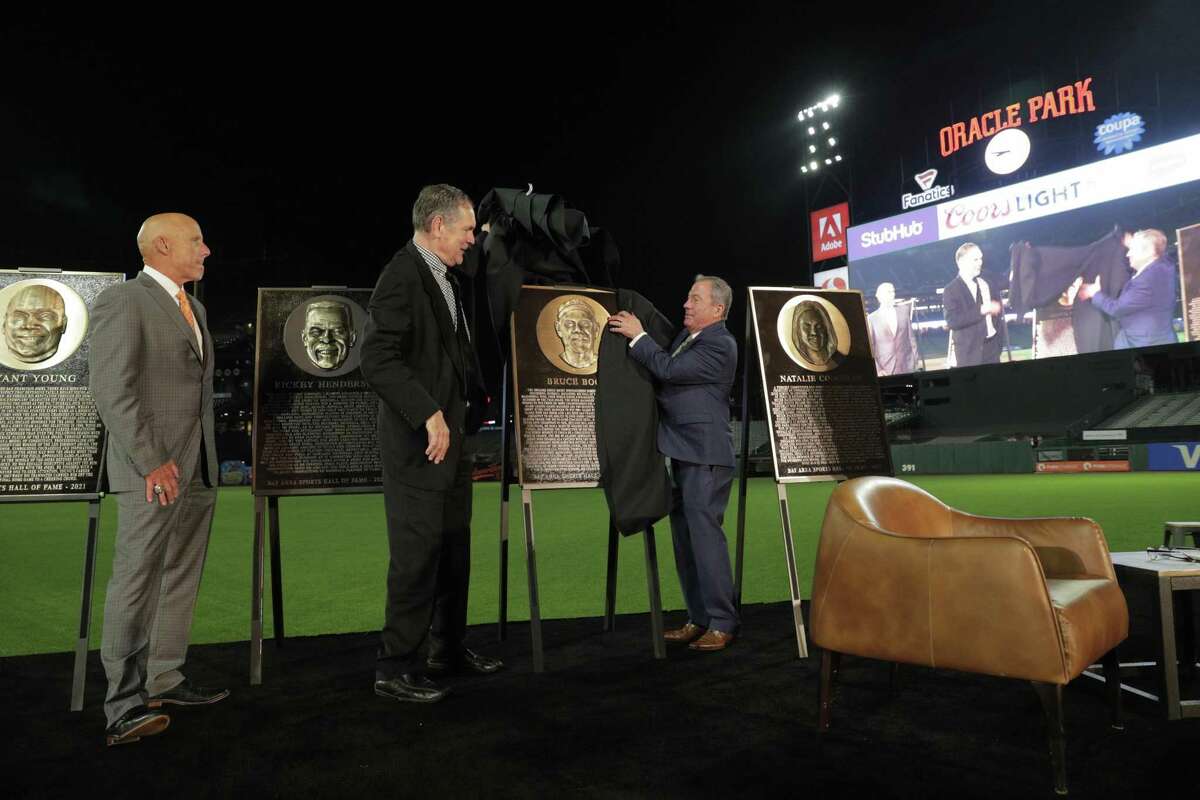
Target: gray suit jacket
895, 354
152, 388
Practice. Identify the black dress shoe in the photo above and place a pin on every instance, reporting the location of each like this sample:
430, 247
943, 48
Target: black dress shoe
467, 661
410, 688
135, 723
185, 694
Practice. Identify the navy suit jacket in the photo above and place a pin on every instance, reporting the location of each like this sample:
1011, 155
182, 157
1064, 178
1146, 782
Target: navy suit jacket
693, 394
1144, 308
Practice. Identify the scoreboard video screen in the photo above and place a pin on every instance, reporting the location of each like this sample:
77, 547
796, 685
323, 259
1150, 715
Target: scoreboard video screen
1077, 261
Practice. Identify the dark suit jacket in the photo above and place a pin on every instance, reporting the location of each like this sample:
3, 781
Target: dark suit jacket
152, 387
417, 364
693, 394
895, 354
967, 328
1144, 308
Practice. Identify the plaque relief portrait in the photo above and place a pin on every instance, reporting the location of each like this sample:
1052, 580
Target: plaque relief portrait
568, 330
320, 335
328, 333
813, 333
43, 323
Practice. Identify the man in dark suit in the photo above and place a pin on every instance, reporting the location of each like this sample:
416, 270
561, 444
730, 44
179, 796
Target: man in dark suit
418, 357
972, 311
151, 364
890, 330
695, 377
1146, 304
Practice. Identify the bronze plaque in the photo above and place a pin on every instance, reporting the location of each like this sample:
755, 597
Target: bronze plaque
556, 334
314, 415
53, 437
824, 411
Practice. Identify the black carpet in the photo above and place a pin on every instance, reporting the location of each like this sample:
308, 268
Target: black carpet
605, 720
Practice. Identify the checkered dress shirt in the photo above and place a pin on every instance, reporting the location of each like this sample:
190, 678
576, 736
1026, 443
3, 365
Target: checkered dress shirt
443, 281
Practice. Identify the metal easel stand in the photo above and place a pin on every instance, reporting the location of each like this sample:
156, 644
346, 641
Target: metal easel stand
505, 485
781, 492
267, 507
793, 581
79, 678
652, 586
652, 583
79, 671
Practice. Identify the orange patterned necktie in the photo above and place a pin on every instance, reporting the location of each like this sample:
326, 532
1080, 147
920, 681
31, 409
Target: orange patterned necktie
186, 308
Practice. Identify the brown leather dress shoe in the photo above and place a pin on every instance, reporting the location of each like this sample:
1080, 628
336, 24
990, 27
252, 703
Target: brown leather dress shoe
685, 634
712, 640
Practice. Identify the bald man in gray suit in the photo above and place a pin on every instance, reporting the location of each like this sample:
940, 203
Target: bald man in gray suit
151, 364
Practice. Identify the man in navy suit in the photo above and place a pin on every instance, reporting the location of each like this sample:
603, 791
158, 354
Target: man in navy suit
1146, 305
694, 378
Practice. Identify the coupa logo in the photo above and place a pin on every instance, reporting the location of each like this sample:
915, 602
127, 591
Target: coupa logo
1119, 133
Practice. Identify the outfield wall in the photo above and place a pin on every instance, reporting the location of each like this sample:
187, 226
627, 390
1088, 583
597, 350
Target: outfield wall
964, 458
1020, 457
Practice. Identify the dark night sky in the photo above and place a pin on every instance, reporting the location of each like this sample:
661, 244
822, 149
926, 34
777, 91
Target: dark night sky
299, 141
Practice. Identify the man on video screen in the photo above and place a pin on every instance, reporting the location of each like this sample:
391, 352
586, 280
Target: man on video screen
891, 332
972, 311
1146, 304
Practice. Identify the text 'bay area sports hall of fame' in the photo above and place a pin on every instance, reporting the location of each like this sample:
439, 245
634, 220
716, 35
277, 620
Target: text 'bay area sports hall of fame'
822, 393
556, 347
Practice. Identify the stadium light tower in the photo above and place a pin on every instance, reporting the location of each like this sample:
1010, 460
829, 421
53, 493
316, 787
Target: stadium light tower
821, 140
822, 156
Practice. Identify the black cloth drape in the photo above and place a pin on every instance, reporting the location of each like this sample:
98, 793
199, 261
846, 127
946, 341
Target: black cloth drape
537, 239
532, 239
632, 471
1040, 274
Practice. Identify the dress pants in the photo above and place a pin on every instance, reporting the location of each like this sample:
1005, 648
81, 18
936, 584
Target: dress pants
991, 350
429, 570
701, 493
151, 597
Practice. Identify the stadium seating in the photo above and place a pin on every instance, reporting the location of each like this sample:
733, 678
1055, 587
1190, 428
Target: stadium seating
1177, 409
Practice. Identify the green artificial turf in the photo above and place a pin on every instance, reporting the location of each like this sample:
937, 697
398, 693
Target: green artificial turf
335, 551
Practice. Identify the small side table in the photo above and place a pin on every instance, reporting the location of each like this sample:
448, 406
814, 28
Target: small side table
1166, 576
1175, 534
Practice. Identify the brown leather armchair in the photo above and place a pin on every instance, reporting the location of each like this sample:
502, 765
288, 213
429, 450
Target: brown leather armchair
902, 577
